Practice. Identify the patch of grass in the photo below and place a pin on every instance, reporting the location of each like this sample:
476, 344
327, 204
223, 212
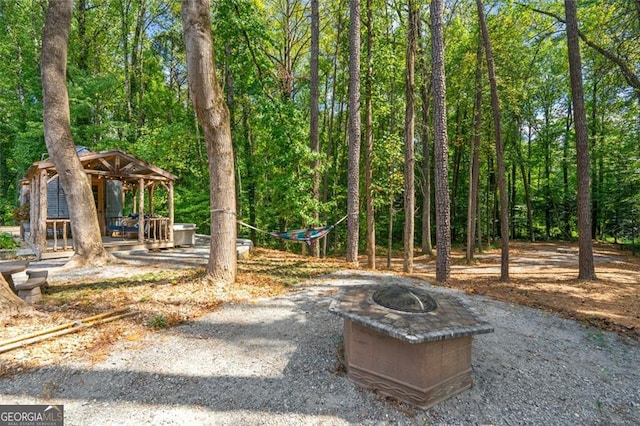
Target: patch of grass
598, 338
599, 406
158, 321
167, 320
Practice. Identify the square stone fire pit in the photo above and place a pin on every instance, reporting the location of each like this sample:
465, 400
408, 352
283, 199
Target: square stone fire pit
416, 348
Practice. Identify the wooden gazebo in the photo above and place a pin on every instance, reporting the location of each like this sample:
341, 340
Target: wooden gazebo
113, 174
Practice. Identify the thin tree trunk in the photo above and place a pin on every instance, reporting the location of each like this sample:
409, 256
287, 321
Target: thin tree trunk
495, 106
368, 167
443, 220
514, 198
566, 203
125, 12
314, 131
390, 225
455, 181
474, 169
354, 133
586, 268
330, 128
409, 129
527, 189
208, 101
547, 174
249, 164
595, 185
425, 88
57, 134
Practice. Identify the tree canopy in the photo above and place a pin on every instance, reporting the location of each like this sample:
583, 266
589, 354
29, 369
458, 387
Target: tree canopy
128, 89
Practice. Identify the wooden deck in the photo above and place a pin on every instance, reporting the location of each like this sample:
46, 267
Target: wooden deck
60, 243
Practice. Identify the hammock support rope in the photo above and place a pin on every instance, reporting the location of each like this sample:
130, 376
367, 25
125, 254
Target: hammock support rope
307, 235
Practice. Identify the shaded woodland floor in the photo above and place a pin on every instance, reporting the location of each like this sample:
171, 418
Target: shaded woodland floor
544, 276
166, 288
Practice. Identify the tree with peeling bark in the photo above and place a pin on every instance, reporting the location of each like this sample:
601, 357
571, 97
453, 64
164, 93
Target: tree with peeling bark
497, 123
353, 191
441, 159
85, 228
586, 269
213, 115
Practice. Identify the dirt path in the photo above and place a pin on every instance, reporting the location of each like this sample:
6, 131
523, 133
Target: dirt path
543, 276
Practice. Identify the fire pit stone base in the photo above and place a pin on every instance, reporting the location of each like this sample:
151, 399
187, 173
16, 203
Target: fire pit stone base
420, 358
422, 374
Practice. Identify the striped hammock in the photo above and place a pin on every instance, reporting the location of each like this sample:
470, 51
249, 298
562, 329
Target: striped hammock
307, 235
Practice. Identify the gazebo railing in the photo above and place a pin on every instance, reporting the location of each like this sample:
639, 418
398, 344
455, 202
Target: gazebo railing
59, 228
156, 229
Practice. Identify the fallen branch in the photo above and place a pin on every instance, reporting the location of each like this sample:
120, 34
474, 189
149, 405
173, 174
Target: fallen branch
61, 330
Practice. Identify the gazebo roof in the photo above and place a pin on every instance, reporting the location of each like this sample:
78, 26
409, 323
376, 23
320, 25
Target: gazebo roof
111, 164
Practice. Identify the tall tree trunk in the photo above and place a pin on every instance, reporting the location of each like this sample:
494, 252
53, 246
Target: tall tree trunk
137, 63
566, 196
492, 216
595, 184
474, 169
333, 78
390, 225
527, 189
368, 158
586, 268
455, 180
353, 192
514, 198
548, 206
249, 164
443, 220
125, 13
314, 131
502, 187
208, 101
409, 129
57, 135
425, 88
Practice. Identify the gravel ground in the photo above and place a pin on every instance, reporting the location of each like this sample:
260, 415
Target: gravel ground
274, 362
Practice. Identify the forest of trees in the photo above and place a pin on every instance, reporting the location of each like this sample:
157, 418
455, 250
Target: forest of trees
128, 89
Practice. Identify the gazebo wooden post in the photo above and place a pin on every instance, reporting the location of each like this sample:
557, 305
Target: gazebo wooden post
153, 231
171, 213
134, 202
141, 210
151, 190
123, 197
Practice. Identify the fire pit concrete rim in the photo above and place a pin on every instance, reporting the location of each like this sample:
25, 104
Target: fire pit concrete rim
452, 318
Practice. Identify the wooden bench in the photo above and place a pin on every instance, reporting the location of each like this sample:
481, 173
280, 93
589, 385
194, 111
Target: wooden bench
30, 291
